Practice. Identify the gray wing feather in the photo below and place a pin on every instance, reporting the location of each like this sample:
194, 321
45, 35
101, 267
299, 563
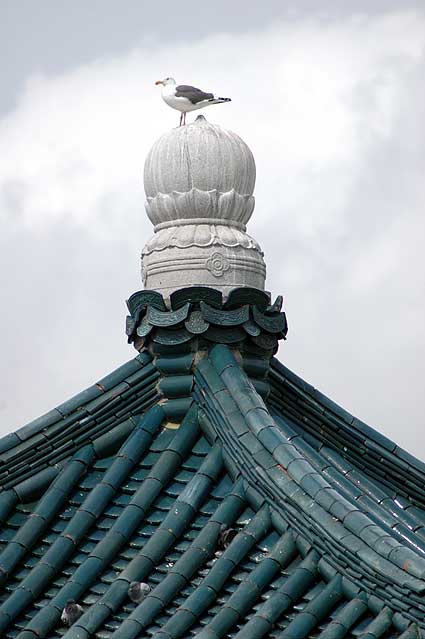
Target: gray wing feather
192, 93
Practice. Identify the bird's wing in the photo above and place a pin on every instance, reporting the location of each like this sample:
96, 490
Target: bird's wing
193, 94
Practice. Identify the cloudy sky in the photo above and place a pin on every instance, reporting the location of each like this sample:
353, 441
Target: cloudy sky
329, 95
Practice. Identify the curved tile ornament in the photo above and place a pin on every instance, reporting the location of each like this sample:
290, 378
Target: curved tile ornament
197, 314
199, 181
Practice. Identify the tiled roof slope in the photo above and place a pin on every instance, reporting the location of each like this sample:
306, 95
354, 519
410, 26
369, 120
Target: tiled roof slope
135, 478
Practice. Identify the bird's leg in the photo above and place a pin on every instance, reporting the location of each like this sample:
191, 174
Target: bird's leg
181, 118
184, 118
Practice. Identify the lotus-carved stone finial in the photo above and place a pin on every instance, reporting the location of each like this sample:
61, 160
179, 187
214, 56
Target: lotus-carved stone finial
199, 182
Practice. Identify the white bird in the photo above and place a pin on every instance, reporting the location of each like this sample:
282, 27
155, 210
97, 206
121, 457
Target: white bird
185, 98
71, 613
138, 590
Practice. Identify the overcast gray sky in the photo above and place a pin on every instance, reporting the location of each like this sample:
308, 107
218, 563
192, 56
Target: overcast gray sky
329, 95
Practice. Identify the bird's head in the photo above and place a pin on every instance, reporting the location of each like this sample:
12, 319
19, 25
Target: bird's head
166, 81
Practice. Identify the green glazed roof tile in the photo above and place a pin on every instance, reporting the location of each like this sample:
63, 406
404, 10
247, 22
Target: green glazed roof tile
328, 515
211, 296
9, 441
352, 435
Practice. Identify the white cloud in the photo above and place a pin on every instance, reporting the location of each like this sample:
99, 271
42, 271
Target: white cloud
332, 112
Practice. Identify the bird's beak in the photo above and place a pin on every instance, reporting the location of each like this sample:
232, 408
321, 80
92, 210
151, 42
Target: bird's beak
159, 82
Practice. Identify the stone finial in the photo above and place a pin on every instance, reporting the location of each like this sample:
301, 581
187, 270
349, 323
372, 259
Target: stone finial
199, 181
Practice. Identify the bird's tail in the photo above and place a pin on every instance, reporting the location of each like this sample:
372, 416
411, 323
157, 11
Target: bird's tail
215, 100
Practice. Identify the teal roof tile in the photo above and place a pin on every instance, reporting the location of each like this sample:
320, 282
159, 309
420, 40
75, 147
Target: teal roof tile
9, 441
168, 451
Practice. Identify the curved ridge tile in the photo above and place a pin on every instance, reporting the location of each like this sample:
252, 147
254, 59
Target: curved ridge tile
372, 452
293, 477
350, 497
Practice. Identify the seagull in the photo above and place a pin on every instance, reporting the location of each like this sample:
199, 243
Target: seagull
138, 590
185, 98
71, 612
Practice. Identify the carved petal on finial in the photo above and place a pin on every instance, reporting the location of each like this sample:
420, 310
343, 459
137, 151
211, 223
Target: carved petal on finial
200, 235
229, 208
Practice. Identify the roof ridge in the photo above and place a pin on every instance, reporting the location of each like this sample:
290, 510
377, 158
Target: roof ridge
263, 455
360, 490
371, 441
